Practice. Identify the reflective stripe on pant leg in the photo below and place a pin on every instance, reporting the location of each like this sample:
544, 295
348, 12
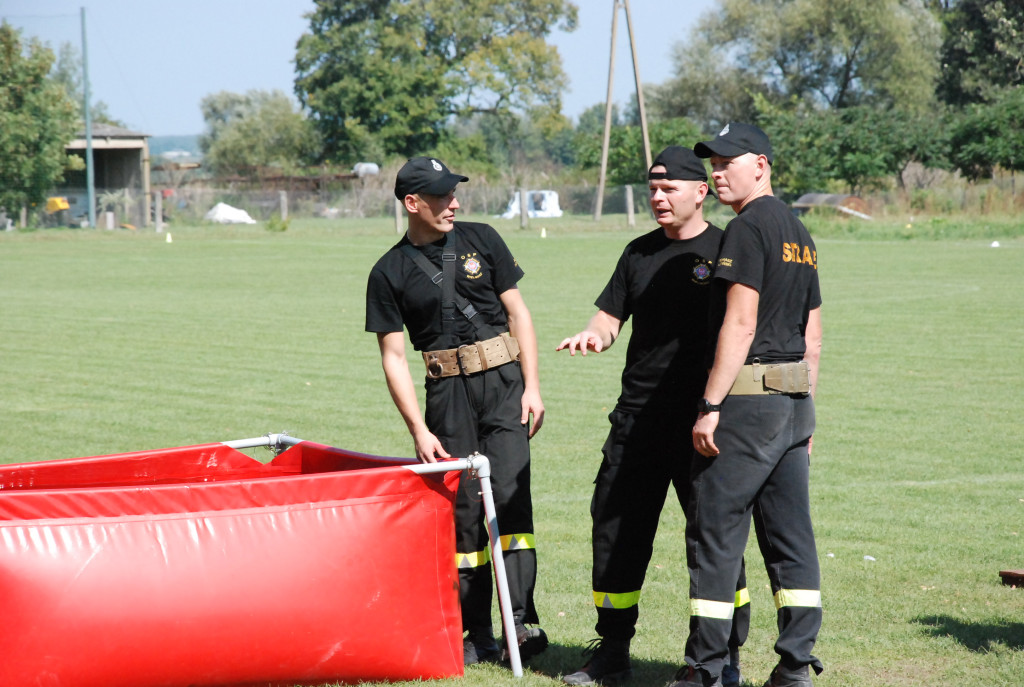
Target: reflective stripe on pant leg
804, 598
718, 610
518, 542
619, 601
474, 559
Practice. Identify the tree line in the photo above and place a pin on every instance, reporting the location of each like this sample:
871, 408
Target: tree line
851, 92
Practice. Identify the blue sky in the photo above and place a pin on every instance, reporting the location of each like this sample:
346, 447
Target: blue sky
152, 62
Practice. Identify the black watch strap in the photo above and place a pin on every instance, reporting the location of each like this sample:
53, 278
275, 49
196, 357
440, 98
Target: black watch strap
706, 406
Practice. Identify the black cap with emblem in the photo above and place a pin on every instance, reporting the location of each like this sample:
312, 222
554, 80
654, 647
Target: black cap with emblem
425, 175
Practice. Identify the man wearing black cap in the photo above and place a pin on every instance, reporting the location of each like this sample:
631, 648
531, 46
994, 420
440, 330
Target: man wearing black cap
453, 286
663, 281
756, 418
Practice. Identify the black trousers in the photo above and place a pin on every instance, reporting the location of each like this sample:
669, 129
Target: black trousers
642, 456
481, 413
763, 471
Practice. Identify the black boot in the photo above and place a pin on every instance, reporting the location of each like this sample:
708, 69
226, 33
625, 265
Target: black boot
608, 665
478, 646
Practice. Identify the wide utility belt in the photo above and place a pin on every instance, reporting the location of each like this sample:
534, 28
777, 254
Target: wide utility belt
773, 378
472, 358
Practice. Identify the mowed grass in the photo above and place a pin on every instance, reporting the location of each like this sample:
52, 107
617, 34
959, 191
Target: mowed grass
117, 341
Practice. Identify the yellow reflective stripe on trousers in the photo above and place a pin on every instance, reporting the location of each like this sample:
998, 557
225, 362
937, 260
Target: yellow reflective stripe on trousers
742, 597
517, 542
704, 608
609, 600
806, 598
474, 559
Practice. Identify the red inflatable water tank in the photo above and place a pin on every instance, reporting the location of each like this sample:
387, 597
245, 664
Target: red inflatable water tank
202, 566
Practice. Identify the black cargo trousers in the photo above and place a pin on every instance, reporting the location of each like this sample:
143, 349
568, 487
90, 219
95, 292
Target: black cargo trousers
643, 455
762, 470
481, 413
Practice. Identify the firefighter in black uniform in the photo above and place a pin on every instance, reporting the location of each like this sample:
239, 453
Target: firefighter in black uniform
753, 433
662, 280
453, 286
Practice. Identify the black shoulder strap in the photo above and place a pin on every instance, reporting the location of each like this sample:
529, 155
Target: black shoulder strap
450, 301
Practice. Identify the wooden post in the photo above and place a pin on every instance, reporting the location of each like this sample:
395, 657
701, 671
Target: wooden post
24, 216
607, 117
283, 195
630, 219
158, 210
639, 88
398, 216
524, 212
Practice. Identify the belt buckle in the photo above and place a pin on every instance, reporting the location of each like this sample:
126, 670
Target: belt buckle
458, 356
434, 368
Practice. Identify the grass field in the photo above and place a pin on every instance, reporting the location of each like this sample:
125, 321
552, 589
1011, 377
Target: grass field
121, 341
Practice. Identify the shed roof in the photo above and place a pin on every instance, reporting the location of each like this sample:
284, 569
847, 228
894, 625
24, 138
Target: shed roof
109, 137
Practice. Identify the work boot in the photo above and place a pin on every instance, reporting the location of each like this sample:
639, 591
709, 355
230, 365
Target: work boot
532, 641
688, 676
784, 677
478, 646
608, 664
731, 671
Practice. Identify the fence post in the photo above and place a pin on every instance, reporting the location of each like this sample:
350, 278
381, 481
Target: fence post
24, 216
524, 213
398, 216
630, 219
284, 205
158, 210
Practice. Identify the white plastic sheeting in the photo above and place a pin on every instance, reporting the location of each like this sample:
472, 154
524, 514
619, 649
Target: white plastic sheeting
538, 204
222, 213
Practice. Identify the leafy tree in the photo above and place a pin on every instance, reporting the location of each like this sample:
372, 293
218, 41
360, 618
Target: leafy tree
832, 53
626, 162
68, 72
862, 146
983, 51
990, 135
37, 121
702, 93
387, 75
245, 134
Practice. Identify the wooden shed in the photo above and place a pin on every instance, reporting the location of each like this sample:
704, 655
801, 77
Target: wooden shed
120, 161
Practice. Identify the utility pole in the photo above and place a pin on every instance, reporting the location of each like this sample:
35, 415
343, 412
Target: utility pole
607, 116
639, 87
90, 173
616, 4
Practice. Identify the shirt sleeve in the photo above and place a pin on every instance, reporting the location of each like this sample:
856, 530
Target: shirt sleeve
507, 271
614, 300
383, 315
741, 258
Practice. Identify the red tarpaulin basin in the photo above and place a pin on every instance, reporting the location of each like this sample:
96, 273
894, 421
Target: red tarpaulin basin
203, 566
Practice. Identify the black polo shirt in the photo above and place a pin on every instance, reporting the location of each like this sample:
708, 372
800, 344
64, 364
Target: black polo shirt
664, 286
399, 292
768, 249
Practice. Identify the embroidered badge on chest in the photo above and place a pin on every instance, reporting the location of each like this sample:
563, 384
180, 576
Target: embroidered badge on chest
701, 271
472, 266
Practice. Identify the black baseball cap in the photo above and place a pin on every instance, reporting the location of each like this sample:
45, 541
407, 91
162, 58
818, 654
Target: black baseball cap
425, 175
680, 163
735, 139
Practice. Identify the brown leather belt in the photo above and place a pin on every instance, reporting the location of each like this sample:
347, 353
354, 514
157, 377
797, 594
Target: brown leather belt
472, 358
773, 378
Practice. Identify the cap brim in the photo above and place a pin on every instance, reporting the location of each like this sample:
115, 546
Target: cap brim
720, 148
443, 186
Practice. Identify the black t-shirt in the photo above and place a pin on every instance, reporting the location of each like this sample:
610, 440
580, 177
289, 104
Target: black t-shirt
664, 285
399, 292
768, 249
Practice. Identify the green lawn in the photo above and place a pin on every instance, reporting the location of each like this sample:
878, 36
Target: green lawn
121, 341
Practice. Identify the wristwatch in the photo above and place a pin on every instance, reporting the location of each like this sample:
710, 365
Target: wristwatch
706, 406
